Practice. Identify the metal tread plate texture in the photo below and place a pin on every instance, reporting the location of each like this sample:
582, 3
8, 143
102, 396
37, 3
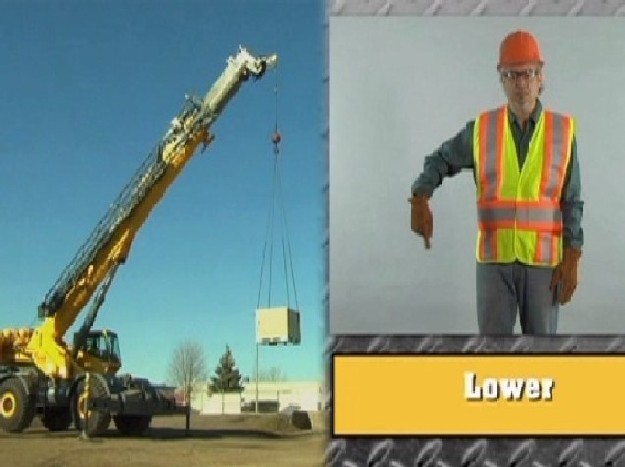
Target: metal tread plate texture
473, 451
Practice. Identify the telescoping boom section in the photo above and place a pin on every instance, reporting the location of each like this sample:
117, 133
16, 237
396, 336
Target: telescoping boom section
42, 351
110, 241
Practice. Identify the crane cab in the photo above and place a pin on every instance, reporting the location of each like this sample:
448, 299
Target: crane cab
100, 352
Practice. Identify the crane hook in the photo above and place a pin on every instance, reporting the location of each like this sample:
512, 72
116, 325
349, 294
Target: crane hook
275, 139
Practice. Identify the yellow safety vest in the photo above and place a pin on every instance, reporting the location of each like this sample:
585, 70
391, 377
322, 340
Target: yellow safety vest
519, 215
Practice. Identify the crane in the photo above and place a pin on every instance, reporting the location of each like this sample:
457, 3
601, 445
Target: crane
40, 373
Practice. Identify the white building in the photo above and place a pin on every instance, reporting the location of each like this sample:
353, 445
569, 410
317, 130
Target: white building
272, 397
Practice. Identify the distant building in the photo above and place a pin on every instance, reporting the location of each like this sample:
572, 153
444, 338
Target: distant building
272, 397
171, 392
179, 396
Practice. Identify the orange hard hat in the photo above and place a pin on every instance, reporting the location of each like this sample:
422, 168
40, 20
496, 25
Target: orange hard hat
519, 47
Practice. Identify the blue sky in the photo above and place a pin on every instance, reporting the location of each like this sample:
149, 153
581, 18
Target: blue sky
86, 90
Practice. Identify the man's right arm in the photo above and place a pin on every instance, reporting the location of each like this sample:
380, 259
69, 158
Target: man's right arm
449, 159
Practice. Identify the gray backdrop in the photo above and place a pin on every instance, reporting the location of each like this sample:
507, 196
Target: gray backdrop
398, 87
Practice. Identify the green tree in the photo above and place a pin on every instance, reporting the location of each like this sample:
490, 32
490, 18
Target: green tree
227, 377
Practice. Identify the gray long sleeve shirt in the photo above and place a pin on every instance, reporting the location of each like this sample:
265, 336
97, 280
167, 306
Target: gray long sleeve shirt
456, 154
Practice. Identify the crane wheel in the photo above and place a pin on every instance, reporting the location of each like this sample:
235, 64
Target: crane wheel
17, 409
56, 418
132, 425
98, 421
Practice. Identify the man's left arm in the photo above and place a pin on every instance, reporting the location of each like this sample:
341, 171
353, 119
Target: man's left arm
571, 203
572, 207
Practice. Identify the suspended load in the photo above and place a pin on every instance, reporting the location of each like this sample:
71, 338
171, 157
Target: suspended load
277, 325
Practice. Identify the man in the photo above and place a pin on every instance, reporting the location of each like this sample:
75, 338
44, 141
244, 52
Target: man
524, 161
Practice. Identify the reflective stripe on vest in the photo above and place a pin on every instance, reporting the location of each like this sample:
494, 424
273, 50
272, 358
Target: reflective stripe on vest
519, 216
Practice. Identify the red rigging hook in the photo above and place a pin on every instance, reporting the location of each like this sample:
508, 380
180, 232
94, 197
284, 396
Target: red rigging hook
275, 139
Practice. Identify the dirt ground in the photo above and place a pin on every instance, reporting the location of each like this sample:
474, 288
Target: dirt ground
214, 440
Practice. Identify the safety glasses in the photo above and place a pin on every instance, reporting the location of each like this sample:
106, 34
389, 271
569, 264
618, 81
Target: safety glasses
513, 75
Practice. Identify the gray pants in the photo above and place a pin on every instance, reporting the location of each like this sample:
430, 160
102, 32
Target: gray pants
504, 288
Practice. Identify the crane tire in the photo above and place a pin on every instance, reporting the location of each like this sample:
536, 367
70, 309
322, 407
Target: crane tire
56, 418
132, 425
17, 407
98, 421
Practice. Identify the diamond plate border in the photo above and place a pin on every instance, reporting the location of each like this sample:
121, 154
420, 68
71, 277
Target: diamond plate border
465, 452
472, 452
476, 7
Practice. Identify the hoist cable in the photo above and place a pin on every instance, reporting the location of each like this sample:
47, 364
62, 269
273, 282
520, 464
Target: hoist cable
288, 243
277, 197
268, 241
272, 221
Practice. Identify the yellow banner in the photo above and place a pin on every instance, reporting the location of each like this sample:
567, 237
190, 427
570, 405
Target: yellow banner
456, 395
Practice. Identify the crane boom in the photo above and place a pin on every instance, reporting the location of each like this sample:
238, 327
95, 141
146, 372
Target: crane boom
109, 243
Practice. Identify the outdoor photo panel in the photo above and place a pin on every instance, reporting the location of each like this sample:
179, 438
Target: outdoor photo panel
412, 381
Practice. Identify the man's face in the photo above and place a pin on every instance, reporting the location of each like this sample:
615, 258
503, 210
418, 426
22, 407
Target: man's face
522, 84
